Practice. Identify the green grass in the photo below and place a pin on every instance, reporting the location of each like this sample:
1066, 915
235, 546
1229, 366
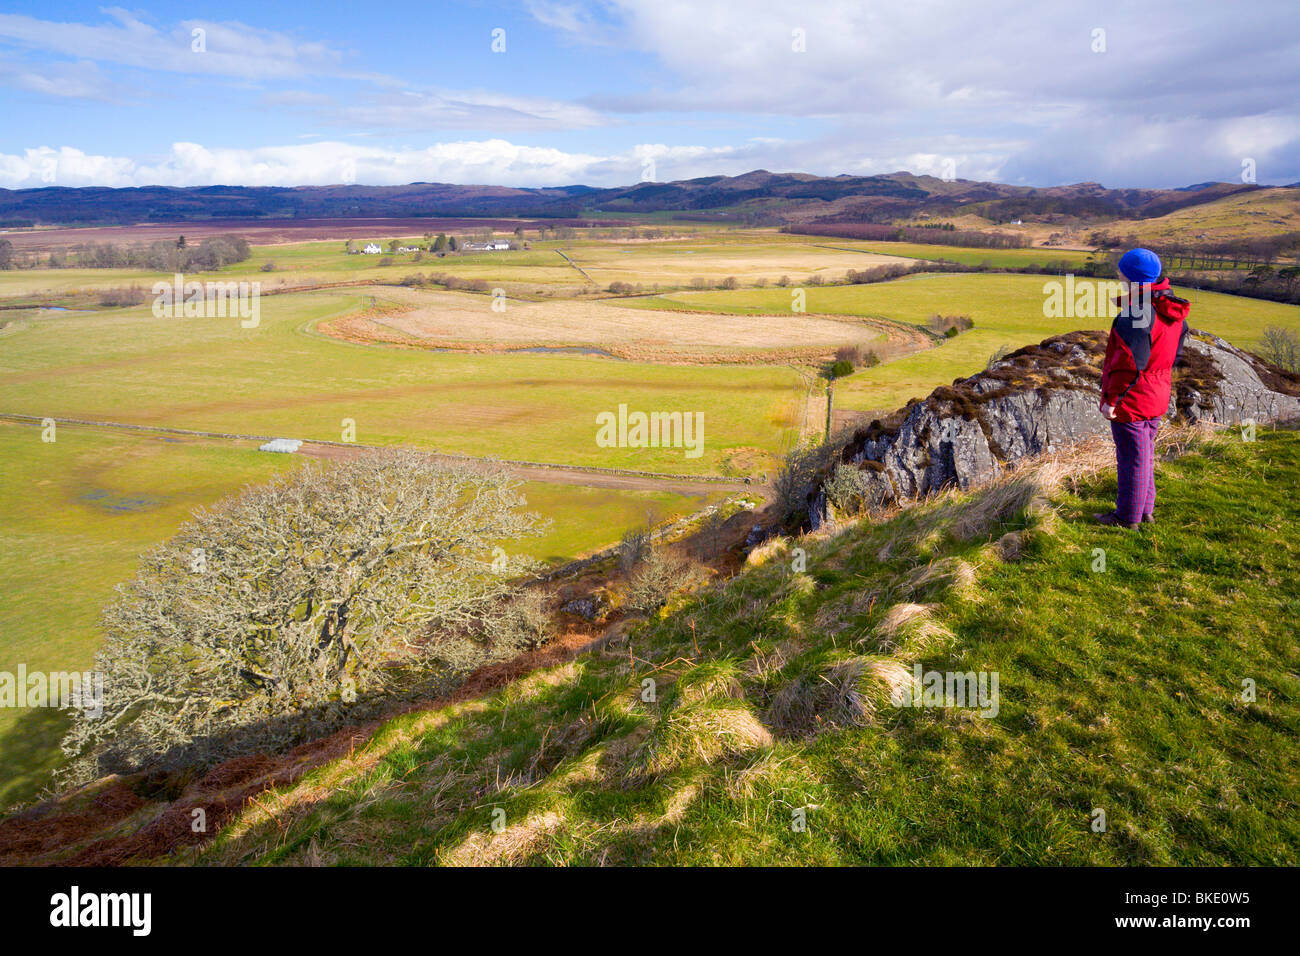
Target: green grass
1065, 259
79, 511
282, 378
1119, 690
1007, 310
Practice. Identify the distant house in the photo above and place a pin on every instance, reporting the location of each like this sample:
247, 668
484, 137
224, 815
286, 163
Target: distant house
372, 249
408, 248
492, 245
1017, 222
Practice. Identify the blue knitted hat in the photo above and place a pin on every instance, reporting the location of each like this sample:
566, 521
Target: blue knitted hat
1140, 265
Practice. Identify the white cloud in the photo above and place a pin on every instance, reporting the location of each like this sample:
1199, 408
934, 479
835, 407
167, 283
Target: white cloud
79, 80
228, 48
495, 161
1181, 92
483, 162
448, 109
1001, 89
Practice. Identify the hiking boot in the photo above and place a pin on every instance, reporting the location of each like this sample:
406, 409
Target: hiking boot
1112, 519
1148, 519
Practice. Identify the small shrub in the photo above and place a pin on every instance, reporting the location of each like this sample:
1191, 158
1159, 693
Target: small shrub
998, 355
524, 623
860, 357
1281, 347
841, 368
120, 298
849, 490
660, 577
633, 549
797, 477
950, 325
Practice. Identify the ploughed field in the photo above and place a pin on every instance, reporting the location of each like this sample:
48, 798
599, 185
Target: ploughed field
454, 320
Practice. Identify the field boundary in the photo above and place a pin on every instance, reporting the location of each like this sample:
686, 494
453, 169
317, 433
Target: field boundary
432, 452
578, 267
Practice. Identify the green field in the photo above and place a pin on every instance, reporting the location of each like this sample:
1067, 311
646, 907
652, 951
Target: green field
283, 379
1063, 259
1007, 310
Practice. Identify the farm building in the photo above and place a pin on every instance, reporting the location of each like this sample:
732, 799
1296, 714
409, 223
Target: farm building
490, 246
372, 249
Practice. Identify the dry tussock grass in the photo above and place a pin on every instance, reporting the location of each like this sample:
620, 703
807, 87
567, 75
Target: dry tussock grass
767, 550
703, 733
762, 667
909, 628
949, 574
509, 846
847, 693
715, 680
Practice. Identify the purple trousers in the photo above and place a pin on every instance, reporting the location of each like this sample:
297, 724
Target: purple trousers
1135, 459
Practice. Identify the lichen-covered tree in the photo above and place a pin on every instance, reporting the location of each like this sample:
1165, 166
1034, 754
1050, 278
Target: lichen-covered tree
270, 614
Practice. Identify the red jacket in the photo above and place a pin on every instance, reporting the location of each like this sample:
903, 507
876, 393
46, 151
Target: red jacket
1140, 354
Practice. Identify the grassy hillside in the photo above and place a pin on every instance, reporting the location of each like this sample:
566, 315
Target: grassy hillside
1120, 690
1263, 212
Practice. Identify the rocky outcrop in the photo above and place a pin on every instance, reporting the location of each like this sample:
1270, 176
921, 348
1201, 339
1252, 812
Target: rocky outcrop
1042, 398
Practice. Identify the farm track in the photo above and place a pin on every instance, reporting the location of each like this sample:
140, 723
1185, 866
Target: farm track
580, 475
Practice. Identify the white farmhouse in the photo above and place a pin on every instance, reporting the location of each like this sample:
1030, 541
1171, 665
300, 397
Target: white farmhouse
372, 249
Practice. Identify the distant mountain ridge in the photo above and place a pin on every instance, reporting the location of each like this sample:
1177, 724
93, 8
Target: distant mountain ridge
758, 196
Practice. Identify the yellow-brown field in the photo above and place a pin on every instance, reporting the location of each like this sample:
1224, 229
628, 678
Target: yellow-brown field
463, 321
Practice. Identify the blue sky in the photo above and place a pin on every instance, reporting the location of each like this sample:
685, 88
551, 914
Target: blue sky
611, 92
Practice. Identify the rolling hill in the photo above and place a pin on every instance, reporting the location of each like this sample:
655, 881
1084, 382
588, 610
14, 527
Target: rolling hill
754, 197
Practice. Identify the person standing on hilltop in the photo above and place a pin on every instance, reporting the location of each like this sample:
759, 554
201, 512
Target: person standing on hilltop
1145, 341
